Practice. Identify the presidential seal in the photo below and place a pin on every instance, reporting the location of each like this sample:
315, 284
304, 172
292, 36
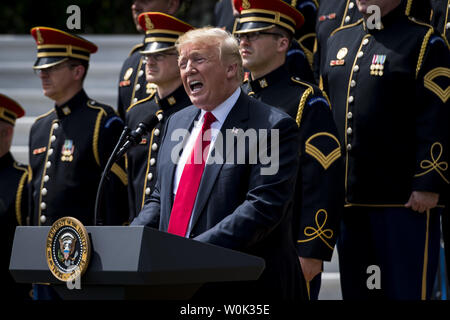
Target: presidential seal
68, 249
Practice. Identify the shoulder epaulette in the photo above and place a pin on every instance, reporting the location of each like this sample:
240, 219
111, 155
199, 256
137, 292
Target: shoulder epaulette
141, 101
304, 84
44, 115
347, 26
135, 48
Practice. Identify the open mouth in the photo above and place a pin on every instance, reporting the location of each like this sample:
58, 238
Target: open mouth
195, 86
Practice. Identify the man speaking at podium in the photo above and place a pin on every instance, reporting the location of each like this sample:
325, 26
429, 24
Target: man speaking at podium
241, 205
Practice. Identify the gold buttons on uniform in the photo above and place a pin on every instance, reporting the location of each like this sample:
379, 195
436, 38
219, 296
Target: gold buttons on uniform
46, 178
349, 130
154, 146
349, 115
43, 219
351, 99
44, 191
43, 205
356, 68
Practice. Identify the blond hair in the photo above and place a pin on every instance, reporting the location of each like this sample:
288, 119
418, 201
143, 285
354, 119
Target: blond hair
227, 45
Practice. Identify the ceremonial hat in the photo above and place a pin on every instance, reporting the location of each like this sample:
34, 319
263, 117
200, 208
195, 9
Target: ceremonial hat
257, 15
161, 31
55, 46
10, 110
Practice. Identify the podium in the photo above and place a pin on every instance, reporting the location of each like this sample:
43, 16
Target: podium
134, 262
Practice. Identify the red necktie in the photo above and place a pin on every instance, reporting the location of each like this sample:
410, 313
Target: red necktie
190, 180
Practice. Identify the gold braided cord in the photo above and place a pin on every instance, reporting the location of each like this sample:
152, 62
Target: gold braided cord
19, 195
301, 106
120, 173
422, 51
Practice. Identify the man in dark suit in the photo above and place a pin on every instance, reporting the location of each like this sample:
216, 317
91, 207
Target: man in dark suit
241, 205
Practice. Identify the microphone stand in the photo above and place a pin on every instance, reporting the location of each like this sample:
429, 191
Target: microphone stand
98, 221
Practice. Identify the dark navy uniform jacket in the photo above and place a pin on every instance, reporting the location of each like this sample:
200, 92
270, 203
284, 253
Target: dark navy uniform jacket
13, 212
332, 14
141, 159
132, 83
389, 91
69, 147
317, 198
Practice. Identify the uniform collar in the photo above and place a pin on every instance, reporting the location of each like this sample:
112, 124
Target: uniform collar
175, 98
388, 20
75, 102
7, 160
268, 80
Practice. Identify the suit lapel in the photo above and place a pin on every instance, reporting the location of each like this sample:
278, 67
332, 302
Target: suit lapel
237, 118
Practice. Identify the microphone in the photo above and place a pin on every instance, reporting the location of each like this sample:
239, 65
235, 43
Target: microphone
132, 138
135, 137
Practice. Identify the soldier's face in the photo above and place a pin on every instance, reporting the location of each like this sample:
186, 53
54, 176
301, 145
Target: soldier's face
140, 6
206, 79
258, 53
58, 80
162, 68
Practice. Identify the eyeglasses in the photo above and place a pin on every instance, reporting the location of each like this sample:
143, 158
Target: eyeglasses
157, 56
52, 69
252, 36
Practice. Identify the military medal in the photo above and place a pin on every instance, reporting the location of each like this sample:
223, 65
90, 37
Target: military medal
67, 151
126, 78
377, 66
342, 53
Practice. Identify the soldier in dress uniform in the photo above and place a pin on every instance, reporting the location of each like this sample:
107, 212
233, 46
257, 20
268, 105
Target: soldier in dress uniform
161, 68
132, 83
70, 144
388, 84
13, 195
331, 15
265, 31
